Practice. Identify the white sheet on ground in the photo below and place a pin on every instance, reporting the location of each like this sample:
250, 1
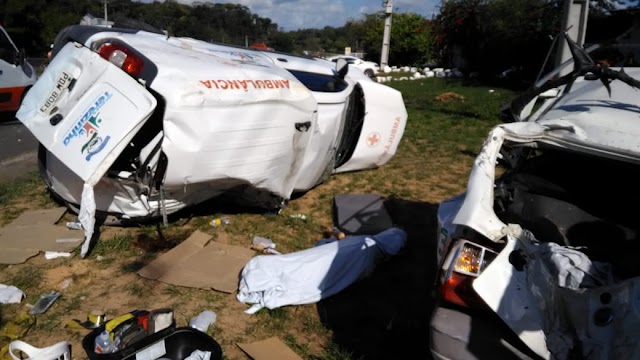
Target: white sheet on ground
307, 276
10, 294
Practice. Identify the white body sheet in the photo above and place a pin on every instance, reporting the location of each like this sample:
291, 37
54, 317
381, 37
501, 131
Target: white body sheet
308, 276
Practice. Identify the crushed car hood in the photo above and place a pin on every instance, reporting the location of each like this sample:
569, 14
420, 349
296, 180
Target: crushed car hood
586, 120
589, 116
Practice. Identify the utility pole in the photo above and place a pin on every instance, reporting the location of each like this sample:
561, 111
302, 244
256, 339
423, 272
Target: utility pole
384, 57
574, 21
106, 19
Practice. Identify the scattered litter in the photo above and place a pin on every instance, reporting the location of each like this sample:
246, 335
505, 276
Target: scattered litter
491, 91
99, 257
15, 328
94, 319
74, 225
145, 335
220, 221
264, 245
61, 350
67, 282
271, 348
298, 216
333, 233
308, 276
199, 355
10, 294
55, 254
203, 320
103, 344
272, 251
45, 301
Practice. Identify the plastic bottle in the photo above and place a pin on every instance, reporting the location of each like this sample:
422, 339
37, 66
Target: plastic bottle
203, 320
103, 343
220, 221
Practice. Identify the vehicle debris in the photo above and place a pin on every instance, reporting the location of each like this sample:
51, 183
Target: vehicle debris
542, 236
44, 302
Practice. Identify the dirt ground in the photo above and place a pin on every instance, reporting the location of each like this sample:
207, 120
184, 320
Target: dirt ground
385, 315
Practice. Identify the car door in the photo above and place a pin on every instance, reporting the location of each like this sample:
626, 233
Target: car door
383, 121
85, 110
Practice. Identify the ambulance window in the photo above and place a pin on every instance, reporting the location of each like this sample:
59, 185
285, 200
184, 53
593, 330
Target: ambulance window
7, 51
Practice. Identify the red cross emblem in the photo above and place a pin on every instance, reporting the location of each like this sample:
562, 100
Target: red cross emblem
373, 139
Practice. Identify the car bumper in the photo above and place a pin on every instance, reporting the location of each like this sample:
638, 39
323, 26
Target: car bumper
457, 335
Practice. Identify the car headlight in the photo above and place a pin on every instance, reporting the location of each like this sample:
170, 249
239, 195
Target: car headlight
466, 261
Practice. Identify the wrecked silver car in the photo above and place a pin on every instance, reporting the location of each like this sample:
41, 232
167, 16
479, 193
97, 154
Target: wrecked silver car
537, 259
137, 124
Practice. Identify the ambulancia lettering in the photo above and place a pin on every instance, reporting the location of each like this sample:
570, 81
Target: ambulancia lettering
392, 137
246, 85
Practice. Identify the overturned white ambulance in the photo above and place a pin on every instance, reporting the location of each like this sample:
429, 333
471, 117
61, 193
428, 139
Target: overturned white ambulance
137, 124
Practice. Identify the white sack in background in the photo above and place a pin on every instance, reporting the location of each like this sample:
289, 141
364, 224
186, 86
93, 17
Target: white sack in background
307, 276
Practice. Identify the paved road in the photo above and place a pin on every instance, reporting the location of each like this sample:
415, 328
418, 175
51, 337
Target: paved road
18, 149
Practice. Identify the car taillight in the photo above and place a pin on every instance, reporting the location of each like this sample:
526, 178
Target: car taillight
467, 262
121, 56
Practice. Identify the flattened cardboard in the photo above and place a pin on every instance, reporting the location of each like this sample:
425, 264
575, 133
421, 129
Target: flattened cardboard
200, 263
269, 349
39, 217
34, 231
16, 256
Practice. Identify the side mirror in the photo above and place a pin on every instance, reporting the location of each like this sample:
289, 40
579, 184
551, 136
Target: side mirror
342, 67
21, 57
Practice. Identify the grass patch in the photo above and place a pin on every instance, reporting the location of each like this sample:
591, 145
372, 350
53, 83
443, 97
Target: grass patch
18, 188
28, 278
135, 289
173, 290
431, 164
119, 245
19, 195
333, 352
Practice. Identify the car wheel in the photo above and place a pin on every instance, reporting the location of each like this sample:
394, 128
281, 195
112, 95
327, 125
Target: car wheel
369, 73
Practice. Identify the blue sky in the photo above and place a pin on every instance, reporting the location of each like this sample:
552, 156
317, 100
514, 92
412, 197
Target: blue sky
305, 14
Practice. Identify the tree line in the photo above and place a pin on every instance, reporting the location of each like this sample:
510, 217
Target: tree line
34, 24
490, 37
485, 36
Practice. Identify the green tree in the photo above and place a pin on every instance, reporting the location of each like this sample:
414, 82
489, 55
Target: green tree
490, 36
411, 38
281, 41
